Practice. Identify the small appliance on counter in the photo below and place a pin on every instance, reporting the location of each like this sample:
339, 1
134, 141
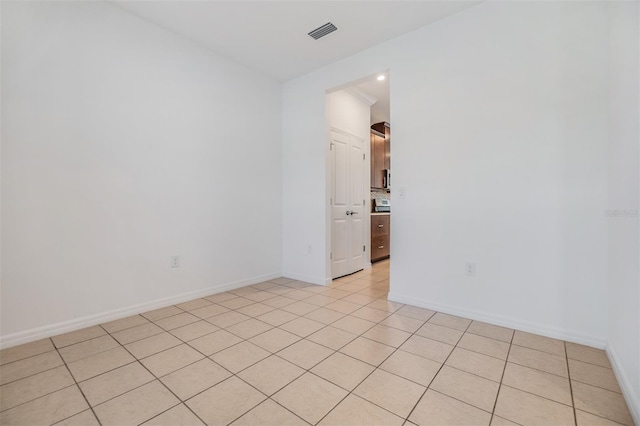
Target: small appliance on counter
381, 206
386, 178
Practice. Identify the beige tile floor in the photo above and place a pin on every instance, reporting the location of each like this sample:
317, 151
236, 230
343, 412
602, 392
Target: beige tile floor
285, 352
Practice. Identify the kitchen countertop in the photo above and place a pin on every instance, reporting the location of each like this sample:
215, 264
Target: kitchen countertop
380, 213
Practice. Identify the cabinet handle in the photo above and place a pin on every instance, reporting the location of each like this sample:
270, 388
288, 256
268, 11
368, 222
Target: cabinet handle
380, 247
380, 226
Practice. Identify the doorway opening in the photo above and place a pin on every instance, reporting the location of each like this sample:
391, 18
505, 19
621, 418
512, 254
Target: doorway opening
359, 182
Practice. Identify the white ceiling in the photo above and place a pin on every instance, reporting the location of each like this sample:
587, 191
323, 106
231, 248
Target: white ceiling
271, 36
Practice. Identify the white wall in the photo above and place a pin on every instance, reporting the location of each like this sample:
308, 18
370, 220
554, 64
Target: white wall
123, 145
624, 292
499, 118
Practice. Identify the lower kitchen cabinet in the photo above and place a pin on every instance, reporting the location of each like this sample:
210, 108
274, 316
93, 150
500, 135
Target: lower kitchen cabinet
380, 236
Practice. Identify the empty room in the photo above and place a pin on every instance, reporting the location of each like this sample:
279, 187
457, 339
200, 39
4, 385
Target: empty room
320, 212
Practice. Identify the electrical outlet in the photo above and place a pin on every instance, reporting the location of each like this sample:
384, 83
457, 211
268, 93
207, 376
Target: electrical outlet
470, 269
175, 261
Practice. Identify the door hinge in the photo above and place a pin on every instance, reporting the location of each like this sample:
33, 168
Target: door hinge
363, 156
330, 256
330, 201
331, 146
363, 248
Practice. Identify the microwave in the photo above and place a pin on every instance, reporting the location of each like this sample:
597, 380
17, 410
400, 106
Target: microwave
381, 206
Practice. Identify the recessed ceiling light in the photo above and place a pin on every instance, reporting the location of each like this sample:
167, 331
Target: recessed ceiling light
380, 77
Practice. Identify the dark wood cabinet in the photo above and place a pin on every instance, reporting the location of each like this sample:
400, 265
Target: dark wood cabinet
380, 154
377, 160
380, 236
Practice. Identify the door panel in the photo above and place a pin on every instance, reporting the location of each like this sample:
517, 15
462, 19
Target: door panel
347, 208
340, 200
341, 173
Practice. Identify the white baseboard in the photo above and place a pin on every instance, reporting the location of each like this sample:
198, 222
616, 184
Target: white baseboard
503, 321
630, 396
305, 278
87, 321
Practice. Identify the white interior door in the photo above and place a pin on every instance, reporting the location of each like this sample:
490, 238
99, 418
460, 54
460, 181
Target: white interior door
347, 204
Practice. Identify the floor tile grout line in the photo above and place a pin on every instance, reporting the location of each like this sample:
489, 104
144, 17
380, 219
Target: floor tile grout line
49, 393
139, 361
464, 402
42, 396
30, 356
488, 337
437, 372
594, 386
305, 369
537, 369
161, 350
120, 394
538, 350
126, 328
301, 316
511, 421
267, 397
602, 417
169, 331
504, 369
563, 377
573, 404
376, 367
159, 381
536, 395
232, 374
270, 354
86, 341
351, 392
35, 374
164, 411
587, 362
78, 387
276, 402
64, 362
448, 365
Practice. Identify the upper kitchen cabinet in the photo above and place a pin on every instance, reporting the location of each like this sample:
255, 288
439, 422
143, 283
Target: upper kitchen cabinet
380, 155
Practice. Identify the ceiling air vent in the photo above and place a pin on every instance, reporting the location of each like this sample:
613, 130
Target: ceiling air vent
323, 30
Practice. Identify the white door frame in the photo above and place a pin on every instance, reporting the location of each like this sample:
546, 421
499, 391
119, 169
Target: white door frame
329, 176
